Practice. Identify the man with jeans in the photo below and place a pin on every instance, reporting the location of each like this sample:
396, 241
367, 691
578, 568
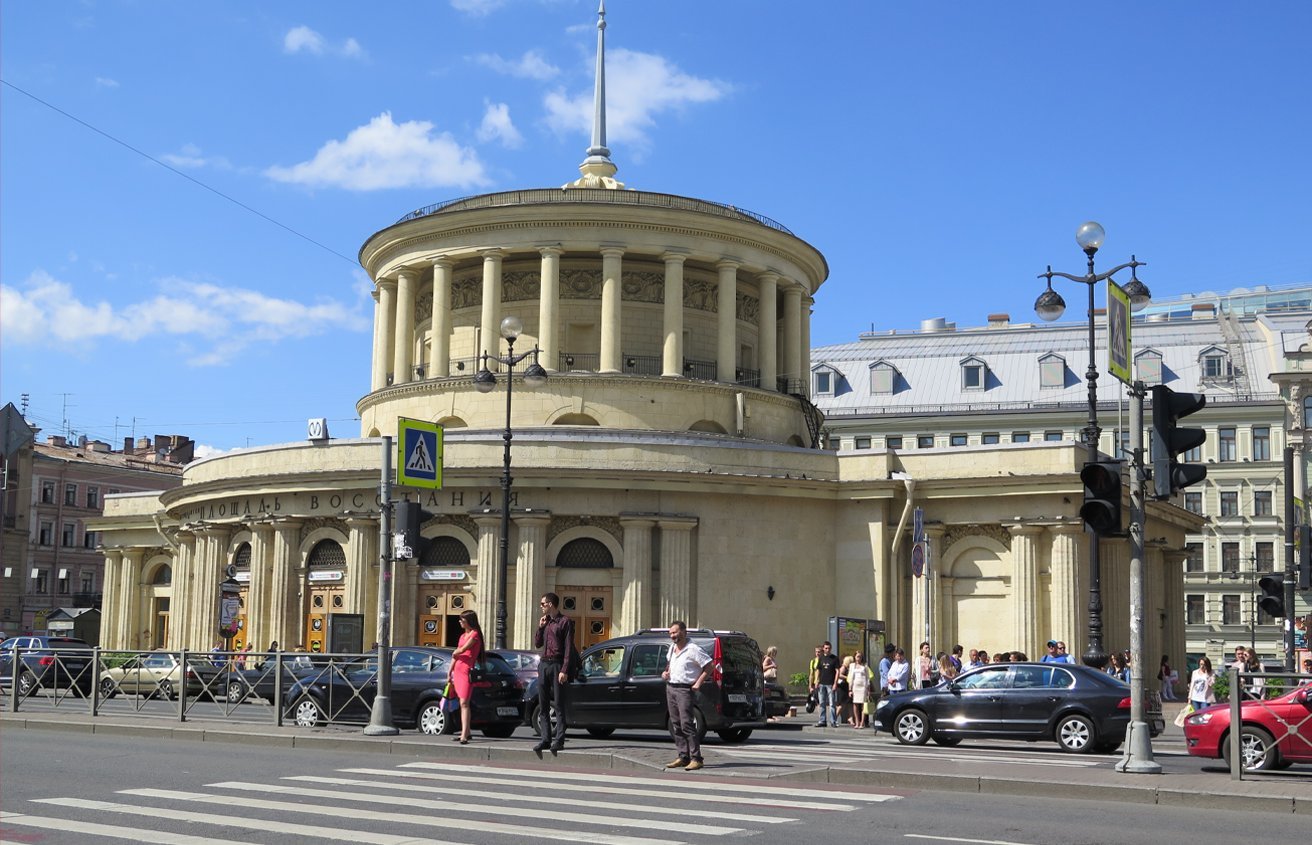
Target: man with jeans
824, 683
689, 665
555, 636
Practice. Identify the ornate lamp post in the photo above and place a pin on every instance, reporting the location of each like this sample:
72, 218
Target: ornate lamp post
486, 382
1049, 306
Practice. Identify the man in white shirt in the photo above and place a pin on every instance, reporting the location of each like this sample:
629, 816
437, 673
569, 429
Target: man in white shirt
689, 665
898, 672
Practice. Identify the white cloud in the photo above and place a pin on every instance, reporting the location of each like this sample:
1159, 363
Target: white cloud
302, 39
203, 450
224, 320
106, 82
383, 154
477, 8
498, 126
190, 156
531, 65
639, 88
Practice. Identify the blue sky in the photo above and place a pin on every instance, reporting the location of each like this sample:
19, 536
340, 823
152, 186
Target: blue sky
938, 154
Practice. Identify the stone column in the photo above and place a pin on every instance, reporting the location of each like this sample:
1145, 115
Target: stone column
488, 575
1172, 580
792, 363
672, 357
284, 592
768, 285
440, 362
209, 572
635, 601
387, 328
530, 580
1300, 488
611, 309
130, 597
180, 591
676, 599
378, 361
1068, 586
1024, 586
258, 625
404, 348
805, 363
490, 334
548, 307
727, 322
361, 548
110, 624
944, 634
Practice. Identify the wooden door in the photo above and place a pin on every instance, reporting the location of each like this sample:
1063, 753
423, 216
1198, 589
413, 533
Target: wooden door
590, 608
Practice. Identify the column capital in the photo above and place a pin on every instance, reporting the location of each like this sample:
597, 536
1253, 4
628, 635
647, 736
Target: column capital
768, 276
1019, 529
674, 256
612, 250
407, 272
728, 263
1064, 528
637, 521
443, 261
534, 518
387, 282
791, 287
114, 555
551, 249
134, 554
677, 523
360, 521
493, 252
487, 519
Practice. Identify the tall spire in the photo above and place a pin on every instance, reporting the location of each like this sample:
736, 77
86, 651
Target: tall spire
597, 170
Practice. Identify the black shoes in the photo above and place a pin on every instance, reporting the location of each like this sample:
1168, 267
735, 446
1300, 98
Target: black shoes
539, 748
557, 747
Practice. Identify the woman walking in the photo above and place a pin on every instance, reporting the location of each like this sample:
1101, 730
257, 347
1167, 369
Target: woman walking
468, 652
1200, 685
858, 682
1164, 674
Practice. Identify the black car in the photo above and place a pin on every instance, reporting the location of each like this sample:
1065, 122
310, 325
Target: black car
620, 685
345, 693
46, 663
237, 685
1080, 708
777, 702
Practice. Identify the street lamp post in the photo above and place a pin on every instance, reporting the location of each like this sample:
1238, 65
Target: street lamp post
485, 382
1050, 306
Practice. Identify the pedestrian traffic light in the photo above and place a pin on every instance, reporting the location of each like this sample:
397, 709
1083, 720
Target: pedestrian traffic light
1304, 557
408, 543
1102, 497
1170, 476
1273, 595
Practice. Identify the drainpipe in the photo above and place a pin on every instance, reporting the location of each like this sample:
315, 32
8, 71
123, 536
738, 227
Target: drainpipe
887, 600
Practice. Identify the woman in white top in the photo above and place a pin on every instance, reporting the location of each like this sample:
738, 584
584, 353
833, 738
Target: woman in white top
1200, 685
858, 684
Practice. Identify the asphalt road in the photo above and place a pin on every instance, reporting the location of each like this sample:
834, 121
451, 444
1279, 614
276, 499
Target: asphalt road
80, 788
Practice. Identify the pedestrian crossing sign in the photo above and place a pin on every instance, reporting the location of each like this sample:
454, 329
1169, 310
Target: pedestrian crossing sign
419, 453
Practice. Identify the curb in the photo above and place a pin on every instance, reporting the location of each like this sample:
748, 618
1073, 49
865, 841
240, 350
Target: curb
1140, 793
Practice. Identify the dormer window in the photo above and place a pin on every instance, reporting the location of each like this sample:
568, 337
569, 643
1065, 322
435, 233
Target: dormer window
824, 380
1148, 366
883, 377
1052, 371
974, 373
1214, 364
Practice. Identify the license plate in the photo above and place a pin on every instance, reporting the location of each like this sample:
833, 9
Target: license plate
507, 711
737, 698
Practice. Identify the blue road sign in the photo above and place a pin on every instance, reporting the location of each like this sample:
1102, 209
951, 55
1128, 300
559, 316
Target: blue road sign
419, 453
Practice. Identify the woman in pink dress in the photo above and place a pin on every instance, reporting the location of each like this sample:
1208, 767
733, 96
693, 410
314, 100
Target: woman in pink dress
468, 652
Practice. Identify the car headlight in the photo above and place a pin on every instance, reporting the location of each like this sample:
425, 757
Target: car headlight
883, 702
1199, 718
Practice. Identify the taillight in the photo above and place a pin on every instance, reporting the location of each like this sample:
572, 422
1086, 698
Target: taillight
191, 674
1125, 704
46, 661
717, 669
481, 684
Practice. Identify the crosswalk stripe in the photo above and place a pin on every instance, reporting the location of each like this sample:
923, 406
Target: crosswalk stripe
359, 814
480, 808
956, 758
532, 798
602, 788
685, 785
155, 837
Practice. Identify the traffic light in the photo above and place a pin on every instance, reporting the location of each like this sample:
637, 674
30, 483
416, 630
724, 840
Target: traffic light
1102, 497
1273, 595
1304, 557
408, 543
1169, 476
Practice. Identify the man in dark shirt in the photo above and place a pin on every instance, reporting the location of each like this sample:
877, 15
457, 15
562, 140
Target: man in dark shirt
824, 683
555, 637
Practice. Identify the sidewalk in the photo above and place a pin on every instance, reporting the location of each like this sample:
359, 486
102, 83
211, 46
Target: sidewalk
1287, 792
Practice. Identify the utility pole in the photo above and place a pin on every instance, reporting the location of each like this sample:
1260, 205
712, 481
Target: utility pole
380, 716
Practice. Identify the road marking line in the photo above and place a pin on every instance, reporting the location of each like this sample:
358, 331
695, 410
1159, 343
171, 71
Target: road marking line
159, 837
681, 785
359, 814
672, 789
956, 839
480, 807
534, 799
821, 758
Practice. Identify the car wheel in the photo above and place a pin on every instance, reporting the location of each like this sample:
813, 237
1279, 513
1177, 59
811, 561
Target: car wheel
27, 684
735, 735
307, 713
236, 692
1257, 750
947, 741
165, 689
600, 733
1075, 734
499, 731
108, 689
433, 720
911, 727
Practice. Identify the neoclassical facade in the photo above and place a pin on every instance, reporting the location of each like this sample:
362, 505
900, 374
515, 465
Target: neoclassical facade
668, 468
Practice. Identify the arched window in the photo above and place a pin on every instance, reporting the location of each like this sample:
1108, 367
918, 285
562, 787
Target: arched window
242, 559
585, 553
163, 576
327, 554
575, 419
445, 551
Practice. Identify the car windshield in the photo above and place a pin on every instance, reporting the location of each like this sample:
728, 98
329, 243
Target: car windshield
494, 665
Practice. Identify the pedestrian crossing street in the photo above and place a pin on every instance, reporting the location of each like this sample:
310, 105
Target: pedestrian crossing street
438, 802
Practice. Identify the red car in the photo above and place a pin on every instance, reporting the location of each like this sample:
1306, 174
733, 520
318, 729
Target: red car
1277, 732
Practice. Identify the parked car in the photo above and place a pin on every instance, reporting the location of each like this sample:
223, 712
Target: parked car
1078, 707
525, 663
46, 663
1276, 733
777, 703
160, 673
419, 674
620, 685
259, 682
